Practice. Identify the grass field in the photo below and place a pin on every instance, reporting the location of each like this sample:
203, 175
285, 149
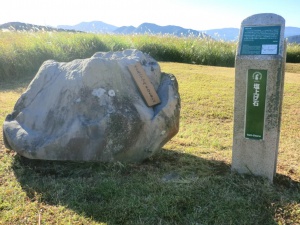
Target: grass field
188, 182
21, 53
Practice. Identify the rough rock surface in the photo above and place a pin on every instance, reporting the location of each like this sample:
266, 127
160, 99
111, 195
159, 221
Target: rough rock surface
91, 110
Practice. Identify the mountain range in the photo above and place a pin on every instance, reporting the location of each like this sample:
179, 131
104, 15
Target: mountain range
93, 27
150, 28
232, 34
156, 29
226, 34
294, 39
18, 26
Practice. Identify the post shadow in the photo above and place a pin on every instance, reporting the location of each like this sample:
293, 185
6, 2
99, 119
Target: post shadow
191, 188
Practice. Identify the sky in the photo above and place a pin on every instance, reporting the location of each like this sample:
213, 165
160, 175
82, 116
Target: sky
192, 14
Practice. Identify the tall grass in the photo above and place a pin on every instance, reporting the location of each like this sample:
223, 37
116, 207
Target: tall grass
293, 53
22, 53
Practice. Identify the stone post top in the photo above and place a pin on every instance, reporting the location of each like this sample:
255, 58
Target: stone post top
264, 19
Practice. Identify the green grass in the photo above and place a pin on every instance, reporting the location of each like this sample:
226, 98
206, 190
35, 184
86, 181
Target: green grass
21, 53
292, 67
188, 182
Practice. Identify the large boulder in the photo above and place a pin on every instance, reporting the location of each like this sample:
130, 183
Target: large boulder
91, 110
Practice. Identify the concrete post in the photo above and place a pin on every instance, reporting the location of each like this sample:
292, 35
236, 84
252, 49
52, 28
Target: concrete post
259, 79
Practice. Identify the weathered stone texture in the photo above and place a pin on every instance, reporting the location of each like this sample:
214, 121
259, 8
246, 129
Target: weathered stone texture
91, 110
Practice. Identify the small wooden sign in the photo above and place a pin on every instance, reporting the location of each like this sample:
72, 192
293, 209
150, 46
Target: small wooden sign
145, 86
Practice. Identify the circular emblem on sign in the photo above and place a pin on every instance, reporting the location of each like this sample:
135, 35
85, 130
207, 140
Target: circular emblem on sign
257, 76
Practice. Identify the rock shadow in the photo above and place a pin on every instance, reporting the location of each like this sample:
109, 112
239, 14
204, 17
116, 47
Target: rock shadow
170, 188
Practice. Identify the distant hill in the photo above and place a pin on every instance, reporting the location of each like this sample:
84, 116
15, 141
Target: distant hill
151, 28
232, 34
18, 26
294, 39
92, 27
226, 34
125, 30
292, 31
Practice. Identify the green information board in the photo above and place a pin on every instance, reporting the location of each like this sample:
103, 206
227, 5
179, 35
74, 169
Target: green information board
255, 108
260, 40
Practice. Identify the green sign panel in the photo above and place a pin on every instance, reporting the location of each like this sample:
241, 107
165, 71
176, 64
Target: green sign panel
260, 40
255, 108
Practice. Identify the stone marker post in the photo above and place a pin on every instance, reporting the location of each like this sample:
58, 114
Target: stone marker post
259, 79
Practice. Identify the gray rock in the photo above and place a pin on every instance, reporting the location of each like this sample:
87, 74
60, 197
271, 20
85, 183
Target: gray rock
91, 110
